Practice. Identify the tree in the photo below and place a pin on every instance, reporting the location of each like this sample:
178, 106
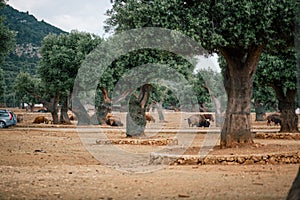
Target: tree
2, 86
62, 56
212, 84
29, 89
7, 37
279, 73
239, 30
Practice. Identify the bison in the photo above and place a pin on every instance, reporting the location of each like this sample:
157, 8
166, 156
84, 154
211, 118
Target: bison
20, 118
113, 120
198, 120
41, 119
275, 118
149, 118
209, 117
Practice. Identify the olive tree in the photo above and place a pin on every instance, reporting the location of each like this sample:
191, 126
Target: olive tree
61, 58
279, 73
239, 30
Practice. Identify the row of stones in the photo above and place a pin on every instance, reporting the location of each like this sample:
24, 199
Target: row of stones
286, 136
158, 142
280, 158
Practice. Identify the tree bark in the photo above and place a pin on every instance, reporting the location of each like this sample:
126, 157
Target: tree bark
64, 117
219, 111
80, 112
105, 107
286, 106
135, 118
161, 116
238, 81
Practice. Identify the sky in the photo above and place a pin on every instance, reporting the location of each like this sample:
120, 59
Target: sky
81, 15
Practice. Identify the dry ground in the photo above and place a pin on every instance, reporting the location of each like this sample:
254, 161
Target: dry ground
46, 162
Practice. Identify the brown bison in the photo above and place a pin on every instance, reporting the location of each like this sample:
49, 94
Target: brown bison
275, 118
41, 119
72, 117
149, 118
113, 120
20, 118
197, 120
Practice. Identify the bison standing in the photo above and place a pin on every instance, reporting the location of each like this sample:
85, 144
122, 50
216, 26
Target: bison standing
275, 118
198, 120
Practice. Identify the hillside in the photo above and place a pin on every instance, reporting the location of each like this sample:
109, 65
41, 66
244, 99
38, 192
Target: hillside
29, 29
29, 35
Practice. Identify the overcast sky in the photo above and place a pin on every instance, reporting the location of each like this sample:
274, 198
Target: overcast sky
82, 15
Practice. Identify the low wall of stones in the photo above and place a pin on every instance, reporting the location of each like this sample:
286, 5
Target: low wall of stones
286, 136
274, 158
157, 142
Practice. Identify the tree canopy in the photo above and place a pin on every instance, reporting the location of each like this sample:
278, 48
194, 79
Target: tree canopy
239, 30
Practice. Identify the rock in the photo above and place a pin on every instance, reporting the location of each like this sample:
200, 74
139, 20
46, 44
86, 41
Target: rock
272, 160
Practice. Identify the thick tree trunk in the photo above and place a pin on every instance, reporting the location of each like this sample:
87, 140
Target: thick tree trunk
135, 118
104, 108
80, 112
289, 120
219, 111
161, 116
64, 117
236, 128
238, 81
54, 110
260, 111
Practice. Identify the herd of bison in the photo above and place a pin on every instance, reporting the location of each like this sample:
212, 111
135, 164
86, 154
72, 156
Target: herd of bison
197, 120
191, 120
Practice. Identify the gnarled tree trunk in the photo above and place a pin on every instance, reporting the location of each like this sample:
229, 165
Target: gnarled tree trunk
238, 81
286, 106
135, 118
64, 117
105, 107
80, 112
161, 116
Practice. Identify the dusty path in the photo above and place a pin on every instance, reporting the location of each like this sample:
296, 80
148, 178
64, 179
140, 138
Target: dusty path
54, 164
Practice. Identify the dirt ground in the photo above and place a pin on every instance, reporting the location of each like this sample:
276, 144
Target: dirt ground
54, 162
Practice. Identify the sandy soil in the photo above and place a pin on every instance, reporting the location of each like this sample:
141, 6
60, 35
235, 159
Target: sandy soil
46, 162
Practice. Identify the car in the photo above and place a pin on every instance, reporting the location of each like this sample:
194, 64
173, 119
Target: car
7, 119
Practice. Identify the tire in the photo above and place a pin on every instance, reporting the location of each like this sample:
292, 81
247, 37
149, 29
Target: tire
2, 124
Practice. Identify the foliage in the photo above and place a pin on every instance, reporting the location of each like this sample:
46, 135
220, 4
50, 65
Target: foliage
238, 29
7, 37
29, 33
129, 71
277, 71
215, 24
62, 56
2, 85
25, 85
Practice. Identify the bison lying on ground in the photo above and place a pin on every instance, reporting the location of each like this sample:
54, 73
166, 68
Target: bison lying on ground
41, 119
20, 118
113, 120
198, 120
275, 118
149, 118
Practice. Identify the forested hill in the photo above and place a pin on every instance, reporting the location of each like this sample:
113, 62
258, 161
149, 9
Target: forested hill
25, 57
29, 29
